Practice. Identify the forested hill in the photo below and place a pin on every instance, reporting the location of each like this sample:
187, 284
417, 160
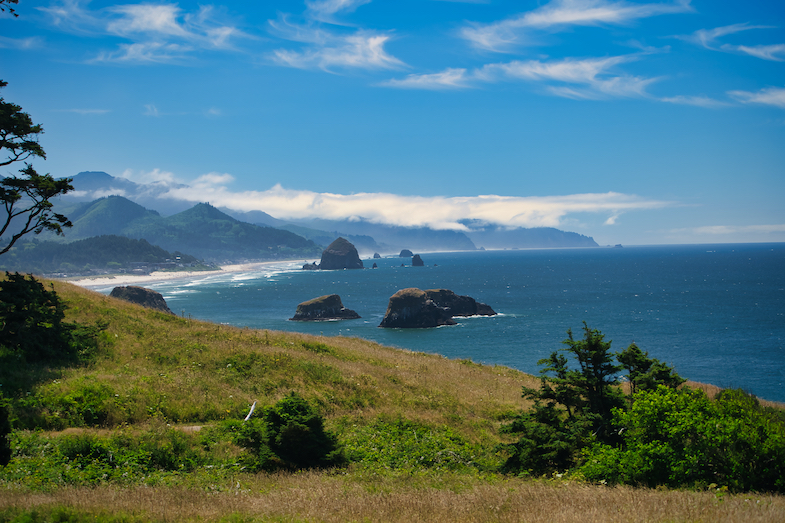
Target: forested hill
106, 252
202, 231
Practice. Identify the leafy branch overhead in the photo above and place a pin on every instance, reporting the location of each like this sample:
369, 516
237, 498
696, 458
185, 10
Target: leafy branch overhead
26, 198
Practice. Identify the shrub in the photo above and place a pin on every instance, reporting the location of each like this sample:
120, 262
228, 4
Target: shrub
682, 438
289, 435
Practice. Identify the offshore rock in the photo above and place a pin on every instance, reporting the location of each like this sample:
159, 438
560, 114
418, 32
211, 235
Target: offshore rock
311, 266
457, 305
376, 256
323, 308
141, 296
412, 309
417, 261
375, 266
406, 253
340, 254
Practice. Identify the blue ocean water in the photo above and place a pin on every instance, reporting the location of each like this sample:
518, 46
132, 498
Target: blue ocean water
716, 312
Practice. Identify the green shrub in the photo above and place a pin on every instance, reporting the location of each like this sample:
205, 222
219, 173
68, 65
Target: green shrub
288, 435
681, 438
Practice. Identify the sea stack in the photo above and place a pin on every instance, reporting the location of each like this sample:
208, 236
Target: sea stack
458, 305
412, 309
340, 254
141, 296
406, 253
417, 261
323, 308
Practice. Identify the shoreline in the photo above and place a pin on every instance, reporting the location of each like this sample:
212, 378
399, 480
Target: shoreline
117, 280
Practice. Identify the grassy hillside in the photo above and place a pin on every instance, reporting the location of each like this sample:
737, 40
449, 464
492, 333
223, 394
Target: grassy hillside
143, 433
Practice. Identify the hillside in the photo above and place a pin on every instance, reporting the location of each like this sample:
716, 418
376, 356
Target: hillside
97, 253
202, 231
142, 433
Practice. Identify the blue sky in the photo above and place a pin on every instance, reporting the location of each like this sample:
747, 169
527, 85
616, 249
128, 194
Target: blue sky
632, 122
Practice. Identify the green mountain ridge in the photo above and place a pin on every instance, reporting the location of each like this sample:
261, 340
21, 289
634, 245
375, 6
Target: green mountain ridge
202, 231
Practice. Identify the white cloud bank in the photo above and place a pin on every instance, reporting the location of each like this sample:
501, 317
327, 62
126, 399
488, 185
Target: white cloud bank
437, 212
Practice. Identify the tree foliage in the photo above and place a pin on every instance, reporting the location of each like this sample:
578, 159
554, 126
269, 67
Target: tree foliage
5, 5
32, 326
26, 198
573, 408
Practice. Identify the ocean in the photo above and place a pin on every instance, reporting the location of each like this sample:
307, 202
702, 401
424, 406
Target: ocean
715, 312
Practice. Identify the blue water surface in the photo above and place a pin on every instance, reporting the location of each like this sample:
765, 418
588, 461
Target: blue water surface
716, 312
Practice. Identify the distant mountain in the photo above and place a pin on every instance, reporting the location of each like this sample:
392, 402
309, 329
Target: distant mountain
90, 185
365, 244
392, 239
99, 252
202, 231
495, 237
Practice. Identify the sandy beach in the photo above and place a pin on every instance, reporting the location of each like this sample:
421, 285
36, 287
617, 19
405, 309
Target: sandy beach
158, 276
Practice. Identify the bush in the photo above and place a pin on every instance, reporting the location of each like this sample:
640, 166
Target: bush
681, 438
288, 435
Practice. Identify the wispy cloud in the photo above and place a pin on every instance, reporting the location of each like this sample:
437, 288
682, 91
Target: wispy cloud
770, 96
363, 50
20, 43
558, 14
325, 10
328, 49
709, 39
588, 78
698, 101
151, 110
447, 79
408, 211
146, 52
159, 33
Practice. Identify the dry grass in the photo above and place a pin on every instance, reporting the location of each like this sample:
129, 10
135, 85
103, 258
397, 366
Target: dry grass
330, 498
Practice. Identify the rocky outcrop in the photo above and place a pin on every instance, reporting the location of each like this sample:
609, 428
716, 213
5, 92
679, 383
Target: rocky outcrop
406, 253
411, 308
340, 254
375, 266
311, 266
323, 308
141, 296
458, 305
417, 261
376, 256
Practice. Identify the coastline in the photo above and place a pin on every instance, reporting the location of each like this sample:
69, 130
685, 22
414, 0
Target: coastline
160, 276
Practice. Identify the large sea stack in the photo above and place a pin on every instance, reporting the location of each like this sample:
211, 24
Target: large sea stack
458, 305
412, 309
324, 308
340, 254
141, 296
417, 261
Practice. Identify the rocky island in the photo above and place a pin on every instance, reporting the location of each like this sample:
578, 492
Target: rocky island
340, 254
141, 296
413, 309
416, 309
323, 308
